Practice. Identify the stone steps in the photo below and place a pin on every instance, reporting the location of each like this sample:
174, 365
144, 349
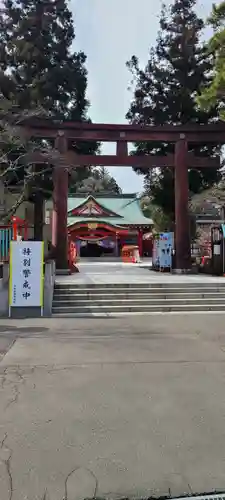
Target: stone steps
82, 311
106, 302
97, 299
77, 297
140, 286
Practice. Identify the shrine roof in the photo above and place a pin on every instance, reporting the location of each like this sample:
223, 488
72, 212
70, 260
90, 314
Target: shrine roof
118, 210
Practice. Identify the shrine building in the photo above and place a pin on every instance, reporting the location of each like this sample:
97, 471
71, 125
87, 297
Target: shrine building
102, 224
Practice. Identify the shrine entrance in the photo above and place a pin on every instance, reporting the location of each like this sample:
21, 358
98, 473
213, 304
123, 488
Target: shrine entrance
96, 239
97, 249
182, 137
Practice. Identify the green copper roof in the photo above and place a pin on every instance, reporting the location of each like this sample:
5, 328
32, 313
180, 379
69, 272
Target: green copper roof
126, 207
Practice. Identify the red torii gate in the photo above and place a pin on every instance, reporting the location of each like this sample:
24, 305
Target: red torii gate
64, 133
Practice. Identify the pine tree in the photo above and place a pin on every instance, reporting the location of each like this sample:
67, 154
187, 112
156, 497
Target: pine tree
165, 93
35, 44
36, 39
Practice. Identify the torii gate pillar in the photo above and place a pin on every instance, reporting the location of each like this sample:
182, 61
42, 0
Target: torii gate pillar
60, 197
182, 220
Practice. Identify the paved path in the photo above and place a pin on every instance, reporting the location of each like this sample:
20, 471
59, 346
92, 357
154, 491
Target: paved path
130, 407
103, 272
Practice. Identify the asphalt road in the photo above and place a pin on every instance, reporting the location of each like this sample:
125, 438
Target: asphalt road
127, 407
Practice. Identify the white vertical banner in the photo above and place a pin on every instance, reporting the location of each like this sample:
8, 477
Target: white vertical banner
26, 274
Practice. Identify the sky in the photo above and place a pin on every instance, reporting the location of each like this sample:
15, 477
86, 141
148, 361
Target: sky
110, 32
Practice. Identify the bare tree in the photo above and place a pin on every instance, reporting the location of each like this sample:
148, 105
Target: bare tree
19, 157
214, 197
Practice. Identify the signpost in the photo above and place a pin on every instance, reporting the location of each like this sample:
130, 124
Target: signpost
26, 274
162, 251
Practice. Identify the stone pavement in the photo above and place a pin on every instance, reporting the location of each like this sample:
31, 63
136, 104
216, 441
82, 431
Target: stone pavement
104, 272
117, 408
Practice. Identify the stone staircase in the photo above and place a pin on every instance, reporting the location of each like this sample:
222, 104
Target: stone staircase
118, 299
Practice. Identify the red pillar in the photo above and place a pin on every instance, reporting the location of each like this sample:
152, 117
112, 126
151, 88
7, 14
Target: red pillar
182, 222
140, 242
14, 227
60, 196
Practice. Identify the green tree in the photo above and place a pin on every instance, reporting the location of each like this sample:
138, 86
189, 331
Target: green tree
36, 38
35, 44
214, 93
165, 93
162, 222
